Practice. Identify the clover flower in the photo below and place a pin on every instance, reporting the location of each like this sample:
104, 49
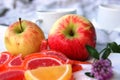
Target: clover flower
102, 69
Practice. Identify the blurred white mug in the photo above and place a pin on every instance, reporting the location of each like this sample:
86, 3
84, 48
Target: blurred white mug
108, 17
46, 18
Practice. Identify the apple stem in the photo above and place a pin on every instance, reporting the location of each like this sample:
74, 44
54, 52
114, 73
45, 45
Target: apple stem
71, 33
20, 25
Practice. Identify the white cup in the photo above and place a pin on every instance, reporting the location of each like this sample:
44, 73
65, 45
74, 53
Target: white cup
108, 17
46, 18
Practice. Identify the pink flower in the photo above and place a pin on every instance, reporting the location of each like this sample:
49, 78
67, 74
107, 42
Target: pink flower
102, 69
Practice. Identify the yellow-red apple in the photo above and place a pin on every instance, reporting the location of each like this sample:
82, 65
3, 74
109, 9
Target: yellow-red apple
23, 37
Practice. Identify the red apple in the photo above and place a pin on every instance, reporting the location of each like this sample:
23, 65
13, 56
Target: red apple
23, 37
70, 34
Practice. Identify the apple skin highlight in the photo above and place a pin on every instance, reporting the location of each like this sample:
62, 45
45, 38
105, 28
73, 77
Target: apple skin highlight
70, 34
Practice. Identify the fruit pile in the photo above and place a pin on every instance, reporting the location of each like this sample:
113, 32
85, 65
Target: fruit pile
17, 66
31, 57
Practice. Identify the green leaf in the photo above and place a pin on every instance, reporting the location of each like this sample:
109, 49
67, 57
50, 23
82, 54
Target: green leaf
92, 51
89, 74
106, 53
114, 47
119, 46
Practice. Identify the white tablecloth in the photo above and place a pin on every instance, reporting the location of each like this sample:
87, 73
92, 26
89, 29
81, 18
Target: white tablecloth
2, 31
